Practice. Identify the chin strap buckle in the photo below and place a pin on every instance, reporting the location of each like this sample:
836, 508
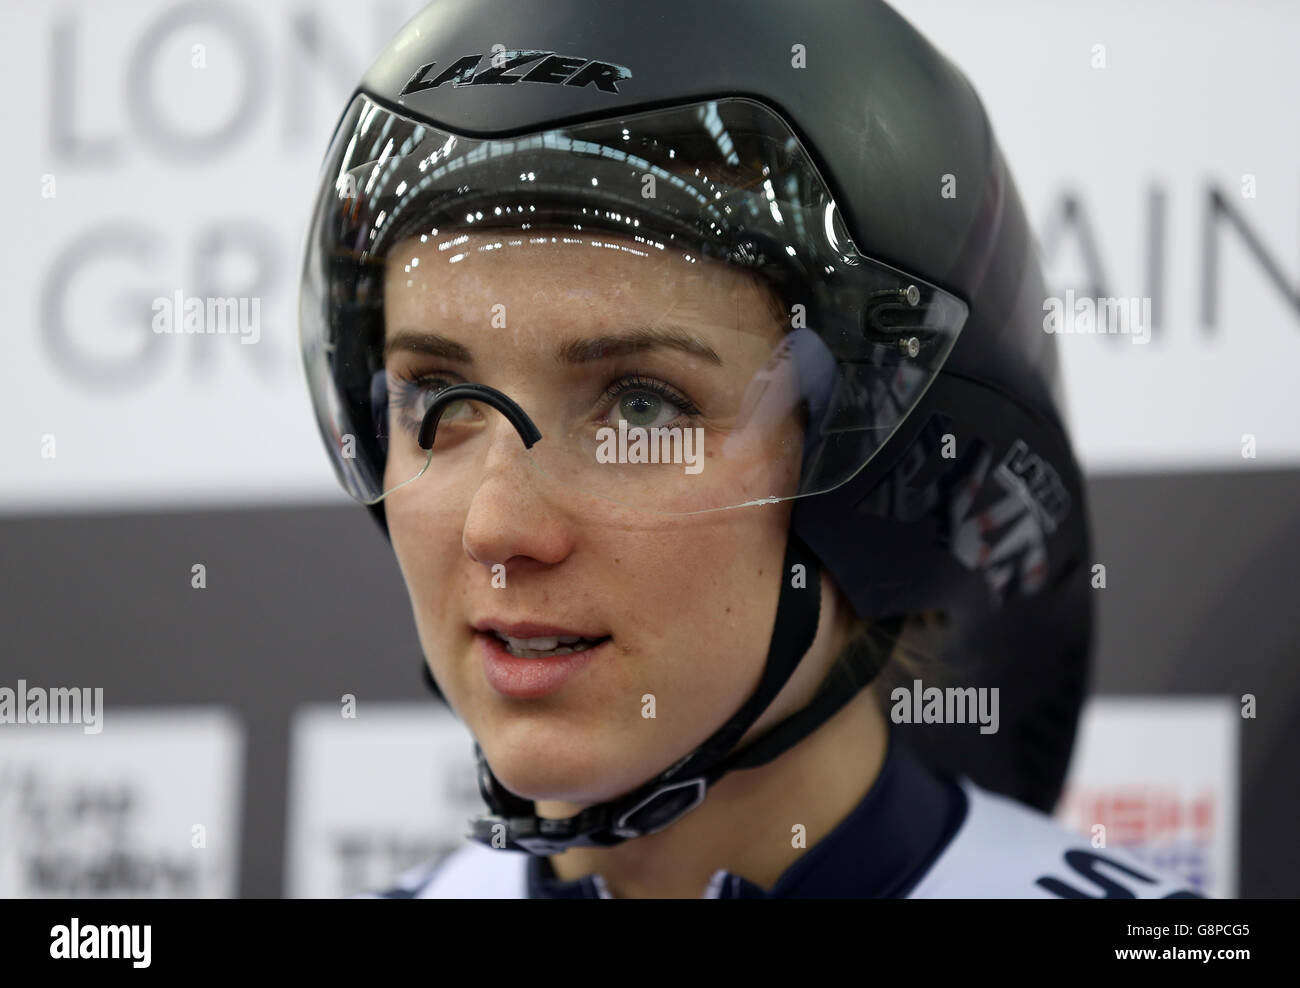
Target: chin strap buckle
540, 835
662, 807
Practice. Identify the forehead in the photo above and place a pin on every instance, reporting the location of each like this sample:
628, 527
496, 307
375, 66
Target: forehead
565, 274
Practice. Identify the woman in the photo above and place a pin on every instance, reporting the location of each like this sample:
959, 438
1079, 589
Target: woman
693, 387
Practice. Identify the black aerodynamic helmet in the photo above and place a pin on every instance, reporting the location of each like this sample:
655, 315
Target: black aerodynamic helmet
829, 150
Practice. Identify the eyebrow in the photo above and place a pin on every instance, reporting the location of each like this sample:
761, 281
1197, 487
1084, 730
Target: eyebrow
581, 351
430, 344
574, 351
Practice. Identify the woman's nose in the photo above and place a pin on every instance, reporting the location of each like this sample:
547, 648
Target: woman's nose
514, 515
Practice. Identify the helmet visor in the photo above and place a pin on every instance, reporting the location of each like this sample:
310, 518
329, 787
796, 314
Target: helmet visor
671, 297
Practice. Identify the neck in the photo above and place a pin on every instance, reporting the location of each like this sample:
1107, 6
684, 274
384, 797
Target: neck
746, 825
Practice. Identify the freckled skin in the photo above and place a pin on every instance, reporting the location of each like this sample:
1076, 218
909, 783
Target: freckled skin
685, 598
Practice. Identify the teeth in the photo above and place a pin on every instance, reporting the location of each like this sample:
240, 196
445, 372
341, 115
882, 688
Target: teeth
540, 648
533, 644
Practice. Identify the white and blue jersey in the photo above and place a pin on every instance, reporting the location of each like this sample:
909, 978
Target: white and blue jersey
916, 834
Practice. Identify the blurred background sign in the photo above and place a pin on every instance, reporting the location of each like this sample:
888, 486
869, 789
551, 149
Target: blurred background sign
1160, 775
149, 807
374, 795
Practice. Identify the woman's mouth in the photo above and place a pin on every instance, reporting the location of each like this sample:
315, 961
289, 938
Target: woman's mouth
548, 647
526, 661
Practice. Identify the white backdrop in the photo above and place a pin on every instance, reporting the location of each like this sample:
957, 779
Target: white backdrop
133, 171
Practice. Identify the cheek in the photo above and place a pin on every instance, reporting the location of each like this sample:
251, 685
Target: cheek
710, 611
429, 556
426, 524
774, 465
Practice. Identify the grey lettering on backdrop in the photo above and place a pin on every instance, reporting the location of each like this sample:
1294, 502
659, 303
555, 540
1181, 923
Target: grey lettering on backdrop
1070, 216
65, 141
216, 246
327, 50
1155, 257
1219, 208
323, 49
99, 373
151, 125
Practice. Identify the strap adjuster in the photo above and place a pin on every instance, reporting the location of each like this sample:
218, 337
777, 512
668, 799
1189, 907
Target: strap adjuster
661, 811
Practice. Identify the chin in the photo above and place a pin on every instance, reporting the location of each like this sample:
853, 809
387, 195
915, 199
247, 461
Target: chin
543, 776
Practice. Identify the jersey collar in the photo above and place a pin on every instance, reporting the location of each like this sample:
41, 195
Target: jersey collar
880, 850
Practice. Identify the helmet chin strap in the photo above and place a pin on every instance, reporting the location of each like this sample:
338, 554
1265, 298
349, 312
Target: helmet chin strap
513, 823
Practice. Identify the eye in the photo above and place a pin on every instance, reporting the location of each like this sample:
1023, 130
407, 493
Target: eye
647, 403
641, 408
412, 397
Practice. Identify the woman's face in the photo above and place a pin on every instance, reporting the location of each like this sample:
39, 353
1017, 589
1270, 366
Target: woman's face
485, 539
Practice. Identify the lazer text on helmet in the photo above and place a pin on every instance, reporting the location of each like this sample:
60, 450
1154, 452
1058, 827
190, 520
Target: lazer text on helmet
547, 66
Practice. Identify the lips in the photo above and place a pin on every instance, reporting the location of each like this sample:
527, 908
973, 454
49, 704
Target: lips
527, 674
532, 640
534, 629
